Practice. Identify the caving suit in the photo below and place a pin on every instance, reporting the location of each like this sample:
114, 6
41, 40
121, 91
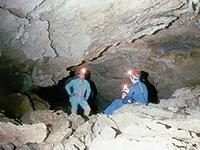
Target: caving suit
137, 94
79, 91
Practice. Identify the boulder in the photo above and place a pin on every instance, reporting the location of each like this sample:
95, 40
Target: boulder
141, 133
39, 104
45, 116
188, 97
57, 123
3, 118
59, 132
7, 146
22, 134
74, 143
18, 105
76, 121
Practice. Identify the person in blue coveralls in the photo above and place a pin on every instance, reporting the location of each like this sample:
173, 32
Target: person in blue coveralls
79, 91
137, 93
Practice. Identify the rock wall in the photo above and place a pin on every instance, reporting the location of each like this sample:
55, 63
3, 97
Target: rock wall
75, 31
171, 57
56, 34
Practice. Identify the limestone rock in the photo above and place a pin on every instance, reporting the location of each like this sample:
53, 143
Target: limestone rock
144, 132
18, 105
50, 70
44, 116
7, 146
19, 135
102, 122
21, 7
28, 146
157, 126
76, 121
151, 112
14, 105
56, 35
74, 144
124, 143
107, 134
46, 146
59, 132
57, 125
68, 33
3, 118
84, 132
171, 63
188, 97
39, 104
194, 5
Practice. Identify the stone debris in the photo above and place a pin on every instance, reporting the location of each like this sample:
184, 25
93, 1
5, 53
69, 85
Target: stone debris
159, 126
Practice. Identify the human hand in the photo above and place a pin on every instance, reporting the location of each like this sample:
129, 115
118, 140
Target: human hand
123, 95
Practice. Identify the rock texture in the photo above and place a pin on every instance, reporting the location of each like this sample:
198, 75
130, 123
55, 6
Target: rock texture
17, 104
165, 127
3, 118
171, 57
19, 135
107, 36
59, 34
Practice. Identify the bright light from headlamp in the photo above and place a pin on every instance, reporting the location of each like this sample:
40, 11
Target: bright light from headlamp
129, 72
125, 86
83, 70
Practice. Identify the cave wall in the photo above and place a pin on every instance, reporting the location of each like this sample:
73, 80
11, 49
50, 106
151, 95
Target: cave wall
70, 31
171, 57
109, 36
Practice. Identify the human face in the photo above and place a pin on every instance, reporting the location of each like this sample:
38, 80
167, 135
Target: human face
81, 76
133, 79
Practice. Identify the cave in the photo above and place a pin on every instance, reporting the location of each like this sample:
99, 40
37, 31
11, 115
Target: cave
42, 42
41, 39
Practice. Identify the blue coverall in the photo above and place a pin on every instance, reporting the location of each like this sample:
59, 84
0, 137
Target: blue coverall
138, 92
79, 91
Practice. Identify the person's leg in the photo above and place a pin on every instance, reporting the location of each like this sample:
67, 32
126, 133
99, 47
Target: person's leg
117, 103
74, 105
86, 107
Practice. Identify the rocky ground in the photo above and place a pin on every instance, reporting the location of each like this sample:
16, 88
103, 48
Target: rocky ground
171, 125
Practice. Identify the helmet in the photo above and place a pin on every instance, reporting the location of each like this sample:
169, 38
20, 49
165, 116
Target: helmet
134, 75
134, 72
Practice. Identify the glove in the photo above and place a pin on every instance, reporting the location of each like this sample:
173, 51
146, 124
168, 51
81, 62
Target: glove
127, 100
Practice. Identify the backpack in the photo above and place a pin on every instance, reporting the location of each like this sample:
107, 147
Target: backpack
152, 93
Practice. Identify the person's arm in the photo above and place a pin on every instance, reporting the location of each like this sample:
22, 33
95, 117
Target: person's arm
131, 91
67, 87
128, 99
88, 90
145, 94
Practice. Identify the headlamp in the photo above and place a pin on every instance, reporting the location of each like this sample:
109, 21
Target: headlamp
129, 72
83, 70
125, 86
